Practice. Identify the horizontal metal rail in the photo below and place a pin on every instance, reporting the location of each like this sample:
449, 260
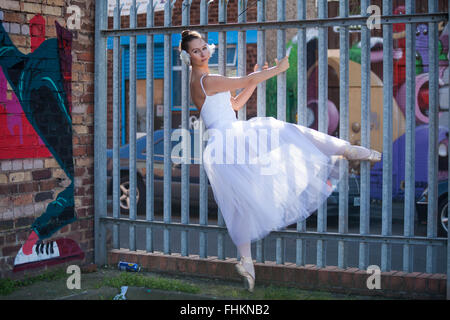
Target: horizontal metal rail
260, 26
307, 235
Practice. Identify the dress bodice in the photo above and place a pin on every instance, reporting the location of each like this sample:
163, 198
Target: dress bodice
217, 110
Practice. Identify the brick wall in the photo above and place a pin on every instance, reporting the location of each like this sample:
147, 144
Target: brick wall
28, 184
351, 281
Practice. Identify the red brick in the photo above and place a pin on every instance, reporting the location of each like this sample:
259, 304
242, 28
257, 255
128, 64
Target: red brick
86, 56
17, 17
421, 284
226, 269
212, 267
335, 277
113, 257
360, 279
47, 185
289, 272
265, 271
323, 277
11, 250
154, 262
192, 265
201, 267
89, 268
398, 281
23, 199
310, 276
410, 280
278, 273
171, 263
347, 278
443, 285
386, 279
182, 264
41, 174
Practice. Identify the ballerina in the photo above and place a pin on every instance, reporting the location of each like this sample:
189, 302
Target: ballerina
303, 162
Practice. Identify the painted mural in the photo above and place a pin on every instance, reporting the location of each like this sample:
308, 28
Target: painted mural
376, 97
35, 122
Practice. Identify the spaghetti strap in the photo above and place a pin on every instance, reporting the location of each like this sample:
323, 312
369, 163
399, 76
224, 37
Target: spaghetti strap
201, 82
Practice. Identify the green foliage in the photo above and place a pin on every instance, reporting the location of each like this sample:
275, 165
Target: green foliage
8, 286
291, 89
138, 280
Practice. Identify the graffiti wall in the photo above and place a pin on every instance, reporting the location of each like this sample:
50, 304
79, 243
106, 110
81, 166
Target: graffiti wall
376, 99
36, 123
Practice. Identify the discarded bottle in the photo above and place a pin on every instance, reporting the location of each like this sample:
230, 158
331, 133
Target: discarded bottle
121, 295
128, 266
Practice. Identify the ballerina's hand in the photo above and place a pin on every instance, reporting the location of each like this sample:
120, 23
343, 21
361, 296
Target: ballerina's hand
234, 103
256, 67
282, 65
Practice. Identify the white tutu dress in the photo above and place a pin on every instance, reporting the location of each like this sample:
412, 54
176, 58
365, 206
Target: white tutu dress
265, 173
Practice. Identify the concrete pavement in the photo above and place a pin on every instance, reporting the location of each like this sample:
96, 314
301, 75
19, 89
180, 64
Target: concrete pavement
105, 283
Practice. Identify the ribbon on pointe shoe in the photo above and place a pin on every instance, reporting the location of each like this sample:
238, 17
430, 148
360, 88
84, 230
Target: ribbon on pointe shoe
249, 279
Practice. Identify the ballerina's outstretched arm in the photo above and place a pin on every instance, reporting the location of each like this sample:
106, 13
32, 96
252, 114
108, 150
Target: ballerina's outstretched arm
241, 99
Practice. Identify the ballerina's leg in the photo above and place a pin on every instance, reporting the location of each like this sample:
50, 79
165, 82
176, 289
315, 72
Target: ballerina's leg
327, 144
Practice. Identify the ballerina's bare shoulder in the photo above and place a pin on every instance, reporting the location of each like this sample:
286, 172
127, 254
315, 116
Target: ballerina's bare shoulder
197, 94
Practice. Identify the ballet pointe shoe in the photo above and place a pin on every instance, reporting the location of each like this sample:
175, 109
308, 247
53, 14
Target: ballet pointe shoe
353, 152
249, 280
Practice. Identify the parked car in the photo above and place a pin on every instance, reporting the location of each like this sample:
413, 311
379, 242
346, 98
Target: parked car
442, 208
194, 169
158, 172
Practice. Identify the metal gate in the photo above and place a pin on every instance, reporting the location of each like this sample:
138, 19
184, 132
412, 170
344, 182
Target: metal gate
385, 242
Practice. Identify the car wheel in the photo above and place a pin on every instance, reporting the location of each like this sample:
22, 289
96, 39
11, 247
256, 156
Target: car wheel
442, 218
125, 194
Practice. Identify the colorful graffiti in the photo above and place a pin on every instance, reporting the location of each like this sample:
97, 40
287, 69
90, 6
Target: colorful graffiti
376, 100
35, 121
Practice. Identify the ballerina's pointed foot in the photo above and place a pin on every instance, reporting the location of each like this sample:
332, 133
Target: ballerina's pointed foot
249, 280
360, 153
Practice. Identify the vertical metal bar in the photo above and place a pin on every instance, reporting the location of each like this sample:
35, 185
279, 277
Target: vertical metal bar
281, 100
261, 59
242, 52
410, 137
116, 128
242, 58
281, 53
222, 71
167, 126
203, 178
123, 92
132, 127
448, 191
433, 135
150, 185
388, 81
323, 120
185, 105
343, 130
100, 123
301, 112
365, 138
261, 93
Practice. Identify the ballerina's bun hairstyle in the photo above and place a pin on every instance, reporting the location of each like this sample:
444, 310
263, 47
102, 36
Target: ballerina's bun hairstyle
186, 37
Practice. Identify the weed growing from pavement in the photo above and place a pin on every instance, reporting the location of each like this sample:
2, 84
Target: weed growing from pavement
8, 286
138, 280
